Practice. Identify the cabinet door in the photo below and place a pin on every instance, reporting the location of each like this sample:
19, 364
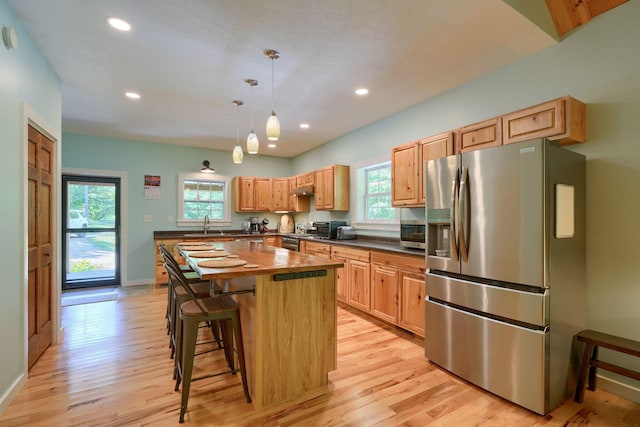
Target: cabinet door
434, 147
384, 293
280, 194
479, 135
561, 120
245, 194
263, 194
412, 293
342, 281
359, 285
273, 241
404, 175
319, 189
329, 188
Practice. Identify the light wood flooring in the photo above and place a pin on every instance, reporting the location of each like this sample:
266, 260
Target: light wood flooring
113, 369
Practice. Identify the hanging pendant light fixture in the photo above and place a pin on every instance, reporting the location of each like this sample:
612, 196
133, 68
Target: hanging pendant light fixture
252, 140
273, 124
237, 150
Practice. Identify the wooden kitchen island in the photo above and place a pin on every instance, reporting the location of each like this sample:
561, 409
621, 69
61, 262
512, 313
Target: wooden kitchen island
288, 323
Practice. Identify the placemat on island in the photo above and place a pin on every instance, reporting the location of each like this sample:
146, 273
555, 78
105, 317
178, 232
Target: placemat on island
208, 254
196, 248
222, 263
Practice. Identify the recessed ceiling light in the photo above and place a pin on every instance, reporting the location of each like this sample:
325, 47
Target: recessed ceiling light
304, 125
119, 24
132, 95
271, 145
362, 91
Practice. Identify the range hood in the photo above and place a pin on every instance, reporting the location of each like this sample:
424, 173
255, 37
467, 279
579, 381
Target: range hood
305, 190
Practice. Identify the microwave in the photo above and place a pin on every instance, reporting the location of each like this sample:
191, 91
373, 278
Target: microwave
328, 229
412, 234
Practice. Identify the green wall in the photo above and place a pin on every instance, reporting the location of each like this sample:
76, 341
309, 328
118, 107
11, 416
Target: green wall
25, 77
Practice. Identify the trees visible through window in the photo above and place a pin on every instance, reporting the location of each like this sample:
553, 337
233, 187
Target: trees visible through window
378, 194
202, 196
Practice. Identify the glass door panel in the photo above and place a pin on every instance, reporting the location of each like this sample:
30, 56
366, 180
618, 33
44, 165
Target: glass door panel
91, 225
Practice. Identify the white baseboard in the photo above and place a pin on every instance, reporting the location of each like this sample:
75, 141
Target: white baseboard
12, 392
138, 282
618, 388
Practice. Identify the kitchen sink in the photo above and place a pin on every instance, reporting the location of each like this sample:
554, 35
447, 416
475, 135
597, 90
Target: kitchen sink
203, 234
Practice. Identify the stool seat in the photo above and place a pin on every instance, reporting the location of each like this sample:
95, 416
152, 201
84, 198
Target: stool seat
211, 305
592, 341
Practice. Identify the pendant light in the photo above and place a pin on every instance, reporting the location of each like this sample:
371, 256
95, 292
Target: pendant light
273, 124
237, 150
252, 140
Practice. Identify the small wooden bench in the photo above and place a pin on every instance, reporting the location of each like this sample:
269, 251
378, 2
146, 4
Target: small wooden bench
592, 341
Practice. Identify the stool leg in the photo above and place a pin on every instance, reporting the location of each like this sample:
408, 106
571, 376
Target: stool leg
582, 374
177, 344
226, 328
592, 369
189, 338
237, 328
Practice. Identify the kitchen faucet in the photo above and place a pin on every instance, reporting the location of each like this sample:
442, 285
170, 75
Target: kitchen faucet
206, 224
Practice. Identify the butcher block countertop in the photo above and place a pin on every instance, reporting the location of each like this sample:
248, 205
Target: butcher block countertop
269, 260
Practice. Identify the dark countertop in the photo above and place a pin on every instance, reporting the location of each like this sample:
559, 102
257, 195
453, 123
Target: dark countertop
364, 242
374, 243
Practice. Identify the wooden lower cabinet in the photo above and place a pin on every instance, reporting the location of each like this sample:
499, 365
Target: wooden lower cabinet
161, 273
354, 280
412, 294
316, 248
398, 290
273, 241
384, 293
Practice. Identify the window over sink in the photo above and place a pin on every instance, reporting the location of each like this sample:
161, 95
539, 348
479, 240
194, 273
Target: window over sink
203, 195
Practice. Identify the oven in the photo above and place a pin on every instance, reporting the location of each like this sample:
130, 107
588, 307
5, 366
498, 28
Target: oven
291, 243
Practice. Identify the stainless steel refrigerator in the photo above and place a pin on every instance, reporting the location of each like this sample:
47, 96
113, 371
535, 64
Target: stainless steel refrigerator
506, 269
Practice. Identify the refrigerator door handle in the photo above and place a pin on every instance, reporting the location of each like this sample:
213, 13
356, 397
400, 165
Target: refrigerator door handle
454, 215
463, 229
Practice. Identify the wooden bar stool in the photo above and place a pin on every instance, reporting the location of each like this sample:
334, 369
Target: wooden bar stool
193, 312
592, 340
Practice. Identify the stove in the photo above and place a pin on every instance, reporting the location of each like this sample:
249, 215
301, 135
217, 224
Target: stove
292, 241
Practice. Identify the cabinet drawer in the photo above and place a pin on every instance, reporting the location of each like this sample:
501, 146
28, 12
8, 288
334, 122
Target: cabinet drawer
350, 253
561, 119
479, 135
316, 248
402, 262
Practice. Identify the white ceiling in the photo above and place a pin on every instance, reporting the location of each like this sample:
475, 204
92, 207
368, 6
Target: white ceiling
188, 60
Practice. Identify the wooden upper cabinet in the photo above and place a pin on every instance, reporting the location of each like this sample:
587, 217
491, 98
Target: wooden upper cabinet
306, 179
561, 120
404, 175
407, 167
252, 194
263, 194
297, 203
245, 194
332, 188
280, 194
479, 135
431, 148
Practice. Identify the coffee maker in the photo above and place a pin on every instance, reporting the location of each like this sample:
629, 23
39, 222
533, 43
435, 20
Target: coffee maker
255, 224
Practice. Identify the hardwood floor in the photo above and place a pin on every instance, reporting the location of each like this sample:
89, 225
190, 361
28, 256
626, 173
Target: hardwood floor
113, 369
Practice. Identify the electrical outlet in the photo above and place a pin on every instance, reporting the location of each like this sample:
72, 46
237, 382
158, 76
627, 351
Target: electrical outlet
148, 218
169, 218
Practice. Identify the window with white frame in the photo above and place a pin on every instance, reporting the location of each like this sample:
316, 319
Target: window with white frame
374, 195
203, 195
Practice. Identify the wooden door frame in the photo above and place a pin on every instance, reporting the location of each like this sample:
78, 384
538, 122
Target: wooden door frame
31, 118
